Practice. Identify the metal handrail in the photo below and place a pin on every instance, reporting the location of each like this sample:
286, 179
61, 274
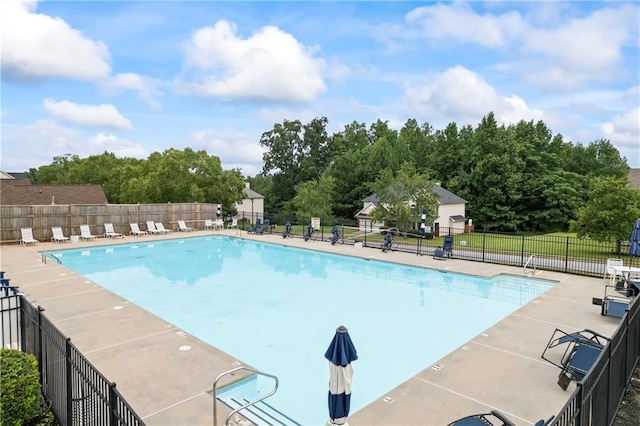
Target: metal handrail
248, 404
527, 264
46, 253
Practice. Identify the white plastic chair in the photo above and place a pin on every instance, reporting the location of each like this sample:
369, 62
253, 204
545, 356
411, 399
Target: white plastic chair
610, 271
151, 227
27, 237
135, 230
182, 227
85, 233
109, 232
58, 235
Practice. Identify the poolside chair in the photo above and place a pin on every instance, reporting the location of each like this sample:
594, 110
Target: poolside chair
85, 233
252, 229
287, 230
135, 230
613, 305
27, 237
109, 232
335, 234
151, 228
233, 224
264, 227
494, 418
218, 224
161, 229
58, 235
448, 246
387, 244
610, 269
580, 354
208, 224
182, 227
309, 232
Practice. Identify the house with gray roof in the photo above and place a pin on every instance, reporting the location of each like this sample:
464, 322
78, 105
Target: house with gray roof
450, 214
251, 206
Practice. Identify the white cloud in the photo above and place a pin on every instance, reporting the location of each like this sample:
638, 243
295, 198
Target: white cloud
459, 22
463, 96
145, 87
581, 49
104, 115
40, 46
624, 130
102, 142
271, 65
235, 150
36, 144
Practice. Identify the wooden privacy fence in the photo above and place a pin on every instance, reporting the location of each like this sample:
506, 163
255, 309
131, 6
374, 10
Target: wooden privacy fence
70, 217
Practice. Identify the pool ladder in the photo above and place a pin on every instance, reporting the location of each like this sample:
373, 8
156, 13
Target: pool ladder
533, 263
246, 404
47, 253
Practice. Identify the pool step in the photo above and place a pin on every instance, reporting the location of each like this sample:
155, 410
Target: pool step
261, 413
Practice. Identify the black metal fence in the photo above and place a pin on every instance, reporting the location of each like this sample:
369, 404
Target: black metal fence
597, 397
561, 253
78, 392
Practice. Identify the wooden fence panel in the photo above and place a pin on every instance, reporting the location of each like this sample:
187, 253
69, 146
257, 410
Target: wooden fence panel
41, 218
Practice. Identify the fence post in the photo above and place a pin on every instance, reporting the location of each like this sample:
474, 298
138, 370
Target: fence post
113, 406
40, 357
484, 237
566, 255
69, 381
522, 251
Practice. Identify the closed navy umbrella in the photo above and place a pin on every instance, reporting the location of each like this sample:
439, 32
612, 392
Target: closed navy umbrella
219, 212
634, 247
423, 222
341, 353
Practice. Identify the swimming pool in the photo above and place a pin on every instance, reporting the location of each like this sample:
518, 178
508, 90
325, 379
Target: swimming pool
276, 308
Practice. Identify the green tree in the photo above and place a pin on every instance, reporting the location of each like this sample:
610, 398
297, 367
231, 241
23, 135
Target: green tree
402, 197
315, 198
612, 207
599, 158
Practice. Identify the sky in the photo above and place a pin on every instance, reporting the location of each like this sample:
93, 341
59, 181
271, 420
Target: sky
136, 77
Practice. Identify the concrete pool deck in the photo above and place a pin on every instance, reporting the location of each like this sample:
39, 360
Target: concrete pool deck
499, 369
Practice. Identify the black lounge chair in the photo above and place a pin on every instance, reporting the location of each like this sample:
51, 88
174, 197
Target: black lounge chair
445, 251
580, 354
494, 418
253, 228
264, 227
308, 232
336, 234
287, 230
613, 305
387, 244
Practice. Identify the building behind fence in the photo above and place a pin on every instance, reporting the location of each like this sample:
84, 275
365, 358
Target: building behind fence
78, 392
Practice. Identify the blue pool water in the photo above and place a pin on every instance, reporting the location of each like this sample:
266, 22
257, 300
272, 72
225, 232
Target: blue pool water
277, 308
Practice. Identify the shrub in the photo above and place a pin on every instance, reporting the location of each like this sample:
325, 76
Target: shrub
19, 387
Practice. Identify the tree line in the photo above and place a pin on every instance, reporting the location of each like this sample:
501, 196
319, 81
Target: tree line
517, 177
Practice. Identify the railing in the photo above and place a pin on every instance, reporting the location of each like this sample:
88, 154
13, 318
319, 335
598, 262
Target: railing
598, 396
248, 404
79, 393
526, 265
49, 254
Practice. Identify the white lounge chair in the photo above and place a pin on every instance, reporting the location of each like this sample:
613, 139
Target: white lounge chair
218, 224
58, 235
151, 227
208, 224
233, 224
109, 231
85, 233
160, 227
182, 227
135, 230
27, 237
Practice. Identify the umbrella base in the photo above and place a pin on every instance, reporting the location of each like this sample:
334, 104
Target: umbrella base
332, 423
